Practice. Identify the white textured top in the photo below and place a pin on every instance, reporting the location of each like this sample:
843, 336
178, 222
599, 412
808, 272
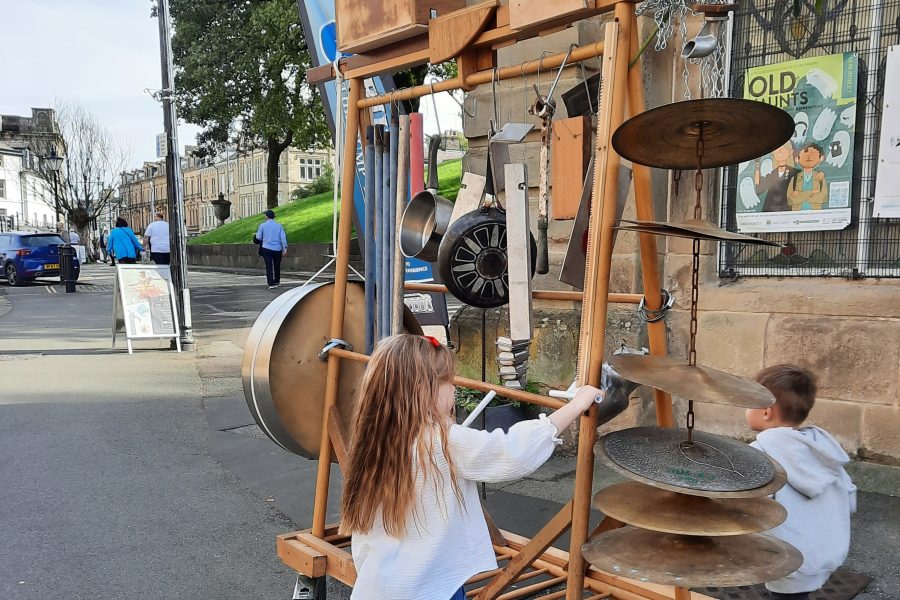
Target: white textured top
446, 543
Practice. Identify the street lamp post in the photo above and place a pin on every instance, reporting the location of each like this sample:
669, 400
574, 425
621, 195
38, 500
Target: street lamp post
54, 163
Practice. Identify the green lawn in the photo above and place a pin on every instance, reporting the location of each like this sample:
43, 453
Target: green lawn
310, 220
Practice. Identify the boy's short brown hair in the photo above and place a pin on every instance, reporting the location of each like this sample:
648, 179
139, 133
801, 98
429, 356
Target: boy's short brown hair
794, 389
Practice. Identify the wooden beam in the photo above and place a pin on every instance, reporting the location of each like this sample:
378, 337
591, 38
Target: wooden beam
337, 439
562, 295
339, 562
558, 525
615, 71
342, 263
450, 34
643, 201
300, 557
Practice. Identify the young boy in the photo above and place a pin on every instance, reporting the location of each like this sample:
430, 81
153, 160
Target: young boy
819, 495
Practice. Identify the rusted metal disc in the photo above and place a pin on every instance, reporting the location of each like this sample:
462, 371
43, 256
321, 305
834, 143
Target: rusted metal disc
703, 384
712, 466
692, 561
670, 512
283, 377
733, 131
693, 228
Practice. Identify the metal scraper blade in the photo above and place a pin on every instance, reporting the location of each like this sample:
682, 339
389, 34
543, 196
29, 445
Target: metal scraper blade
512, 133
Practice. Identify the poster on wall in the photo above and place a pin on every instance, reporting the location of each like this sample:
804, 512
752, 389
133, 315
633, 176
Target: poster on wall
806, 184
887, 183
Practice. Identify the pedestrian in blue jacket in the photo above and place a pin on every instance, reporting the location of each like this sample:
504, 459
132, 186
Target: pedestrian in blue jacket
123, 244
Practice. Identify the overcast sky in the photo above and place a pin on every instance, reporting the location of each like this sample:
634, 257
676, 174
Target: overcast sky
102, 54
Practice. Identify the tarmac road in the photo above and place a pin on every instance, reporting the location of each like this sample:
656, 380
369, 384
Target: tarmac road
144, 476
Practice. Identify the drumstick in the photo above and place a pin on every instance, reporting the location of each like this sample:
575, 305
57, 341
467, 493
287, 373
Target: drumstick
481, 406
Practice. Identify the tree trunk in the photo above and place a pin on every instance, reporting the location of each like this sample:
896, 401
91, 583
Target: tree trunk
275, 149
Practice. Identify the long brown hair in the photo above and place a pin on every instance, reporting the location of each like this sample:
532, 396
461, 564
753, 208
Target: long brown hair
397, 415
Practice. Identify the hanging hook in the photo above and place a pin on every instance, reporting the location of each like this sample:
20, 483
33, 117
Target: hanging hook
587, 88
462, 105
437, 117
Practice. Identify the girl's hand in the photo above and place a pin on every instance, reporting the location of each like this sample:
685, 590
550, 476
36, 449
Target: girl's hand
586, 396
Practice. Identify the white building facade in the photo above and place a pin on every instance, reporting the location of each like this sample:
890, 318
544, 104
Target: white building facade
26, 201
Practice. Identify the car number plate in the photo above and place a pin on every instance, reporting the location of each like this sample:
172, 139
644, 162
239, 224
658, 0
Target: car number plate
51, 267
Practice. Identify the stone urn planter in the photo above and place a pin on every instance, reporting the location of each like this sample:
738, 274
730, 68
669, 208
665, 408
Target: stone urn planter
222, 208
499, 413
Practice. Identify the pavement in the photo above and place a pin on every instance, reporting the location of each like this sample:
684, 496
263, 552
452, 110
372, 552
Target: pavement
145, 474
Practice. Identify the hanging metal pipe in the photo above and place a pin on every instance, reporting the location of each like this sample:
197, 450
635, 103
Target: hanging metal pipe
369, 239
379, 218
392, 224
402, 195
384, 309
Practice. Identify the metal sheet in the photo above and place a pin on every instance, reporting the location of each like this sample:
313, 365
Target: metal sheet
714, 466
688, 561
518, 237
283, 378
699, 383
648, 507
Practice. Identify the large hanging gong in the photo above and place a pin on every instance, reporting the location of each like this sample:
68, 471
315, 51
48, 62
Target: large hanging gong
283, 376
473, 259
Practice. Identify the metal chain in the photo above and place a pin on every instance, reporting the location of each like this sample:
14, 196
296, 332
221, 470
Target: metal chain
695, 266
690, 422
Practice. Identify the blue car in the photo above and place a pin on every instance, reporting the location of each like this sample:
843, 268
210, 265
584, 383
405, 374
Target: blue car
25, 256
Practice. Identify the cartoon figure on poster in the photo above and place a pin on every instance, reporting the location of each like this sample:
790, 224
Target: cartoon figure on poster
806, 183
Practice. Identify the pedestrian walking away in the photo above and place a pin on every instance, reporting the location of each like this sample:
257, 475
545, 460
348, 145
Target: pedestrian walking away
104, 255
272, 242
156, 238
123, 244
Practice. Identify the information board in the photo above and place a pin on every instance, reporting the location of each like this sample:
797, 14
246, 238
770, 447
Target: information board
144, 304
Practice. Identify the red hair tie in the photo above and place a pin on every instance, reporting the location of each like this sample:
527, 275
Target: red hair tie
434, 341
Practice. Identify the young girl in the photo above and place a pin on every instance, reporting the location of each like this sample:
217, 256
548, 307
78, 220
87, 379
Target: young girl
410, 500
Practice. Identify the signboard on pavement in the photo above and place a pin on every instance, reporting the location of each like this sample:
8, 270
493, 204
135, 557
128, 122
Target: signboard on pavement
144, 304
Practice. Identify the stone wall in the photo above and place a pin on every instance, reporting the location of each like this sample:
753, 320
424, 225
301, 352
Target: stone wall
846, 331
300, 257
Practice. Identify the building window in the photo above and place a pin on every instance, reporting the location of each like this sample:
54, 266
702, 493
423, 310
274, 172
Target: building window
302, 173
2, 188
867, 247
318, 171
1, 160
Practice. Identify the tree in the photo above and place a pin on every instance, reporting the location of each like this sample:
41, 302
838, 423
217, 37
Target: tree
90, 173
244, 62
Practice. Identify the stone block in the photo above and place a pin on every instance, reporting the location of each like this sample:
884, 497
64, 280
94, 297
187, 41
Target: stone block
677, 278
880, 438
843, 420
716, 336
821, 297
720, 419
854, 359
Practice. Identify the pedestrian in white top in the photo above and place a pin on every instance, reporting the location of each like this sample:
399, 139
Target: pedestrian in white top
156, 237
410, 499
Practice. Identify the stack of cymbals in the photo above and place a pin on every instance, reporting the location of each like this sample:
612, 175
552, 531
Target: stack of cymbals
694, 512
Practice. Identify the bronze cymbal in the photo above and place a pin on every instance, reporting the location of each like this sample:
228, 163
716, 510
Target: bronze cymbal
283, 377
711, 465
692, 228
692, 561
703, 384
733, 131
671, 512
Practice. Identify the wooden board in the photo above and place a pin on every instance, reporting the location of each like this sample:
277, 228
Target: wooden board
450, 34
528, 13
363, 26
569, 156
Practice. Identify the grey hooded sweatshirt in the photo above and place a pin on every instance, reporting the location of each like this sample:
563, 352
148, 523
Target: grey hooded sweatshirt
819, 497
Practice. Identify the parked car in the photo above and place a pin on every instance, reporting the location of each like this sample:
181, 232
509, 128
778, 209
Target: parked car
25, 256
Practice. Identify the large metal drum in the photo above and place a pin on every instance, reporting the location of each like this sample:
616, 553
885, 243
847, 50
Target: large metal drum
284, 379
